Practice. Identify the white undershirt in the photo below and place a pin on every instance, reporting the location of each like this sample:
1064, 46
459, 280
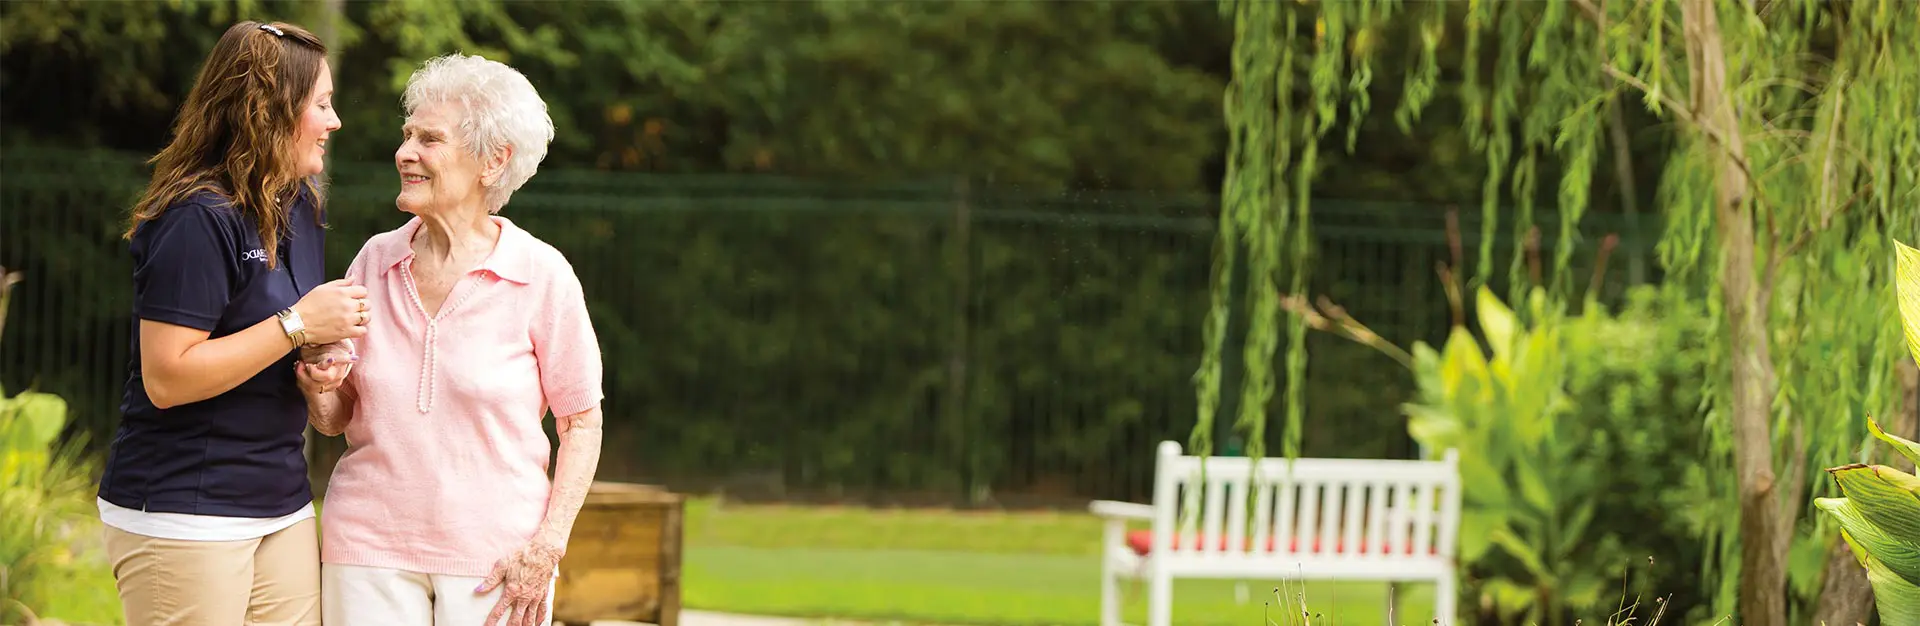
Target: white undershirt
191, 527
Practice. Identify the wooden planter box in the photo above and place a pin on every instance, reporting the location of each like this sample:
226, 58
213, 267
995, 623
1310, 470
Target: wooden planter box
623, 561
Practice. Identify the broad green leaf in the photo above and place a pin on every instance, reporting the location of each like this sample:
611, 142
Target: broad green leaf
1522, 552
1908, 449
1901, 556
1476, 529
1572, 535
1487, 485
1533, 487
41, 416
1887, 497
1584, 589
1907, 287
1895, 597
1437, 429
1510, 598
1496, 320
1463, 369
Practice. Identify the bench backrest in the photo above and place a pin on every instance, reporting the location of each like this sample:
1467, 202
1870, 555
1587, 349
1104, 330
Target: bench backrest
1363, 510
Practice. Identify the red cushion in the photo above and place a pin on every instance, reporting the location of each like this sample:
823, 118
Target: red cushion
1141, 541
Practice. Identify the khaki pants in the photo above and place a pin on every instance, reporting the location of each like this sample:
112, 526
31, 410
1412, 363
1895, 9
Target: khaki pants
273, 580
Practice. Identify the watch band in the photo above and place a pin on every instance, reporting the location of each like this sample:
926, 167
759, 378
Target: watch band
293, 326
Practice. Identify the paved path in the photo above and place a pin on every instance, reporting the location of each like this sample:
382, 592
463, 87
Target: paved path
709, 618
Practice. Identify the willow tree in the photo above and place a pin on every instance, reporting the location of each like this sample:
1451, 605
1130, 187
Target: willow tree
1792, 152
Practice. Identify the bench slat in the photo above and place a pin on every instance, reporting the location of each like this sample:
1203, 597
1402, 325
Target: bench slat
1423, 519
1330, 515
1213, 513
1400, 520
1350, 529
1263, 514
1237, 497
1377, 513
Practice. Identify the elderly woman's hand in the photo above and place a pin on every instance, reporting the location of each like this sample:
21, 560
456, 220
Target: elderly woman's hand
322, 368
326, 353
319, 379
527, 577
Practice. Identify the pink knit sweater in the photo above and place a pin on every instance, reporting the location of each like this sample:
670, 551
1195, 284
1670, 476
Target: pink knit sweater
446, 472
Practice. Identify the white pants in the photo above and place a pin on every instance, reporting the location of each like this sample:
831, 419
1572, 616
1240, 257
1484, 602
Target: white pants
365, 596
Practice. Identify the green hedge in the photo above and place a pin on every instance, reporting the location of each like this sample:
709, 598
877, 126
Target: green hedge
805, 336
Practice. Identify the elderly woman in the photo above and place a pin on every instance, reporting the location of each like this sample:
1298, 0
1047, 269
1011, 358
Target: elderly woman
440, 512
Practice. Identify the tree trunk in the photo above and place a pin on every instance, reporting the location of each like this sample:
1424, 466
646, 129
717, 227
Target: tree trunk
1846, 598
1763, 573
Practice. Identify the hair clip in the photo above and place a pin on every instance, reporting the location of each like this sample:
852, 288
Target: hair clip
273, 29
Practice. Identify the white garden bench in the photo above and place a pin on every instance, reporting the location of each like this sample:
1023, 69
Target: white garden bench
1327, 519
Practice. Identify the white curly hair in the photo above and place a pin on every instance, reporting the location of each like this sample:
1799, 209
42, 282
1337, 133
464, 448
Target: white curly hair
497, 108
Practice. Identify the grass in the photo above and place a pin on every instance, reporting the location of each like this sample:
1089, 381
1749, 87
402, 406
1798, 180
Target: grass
956, 568
87, 594
911, 566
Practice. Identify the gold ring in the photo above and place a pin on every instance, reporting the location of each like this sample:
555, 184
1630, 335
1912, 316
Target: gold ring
363, 303
363, 317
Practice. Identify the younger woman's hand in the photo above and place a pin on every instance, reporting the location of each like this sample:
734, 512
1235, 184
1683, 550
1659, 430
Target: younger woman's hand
334, 311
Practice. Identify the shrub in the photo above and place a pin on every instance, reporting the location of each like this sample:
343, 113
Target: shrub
49, 535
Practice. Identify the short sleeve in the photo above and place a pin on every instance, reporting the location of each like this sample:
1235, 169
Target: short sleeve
183, 267
565, 347
357, 268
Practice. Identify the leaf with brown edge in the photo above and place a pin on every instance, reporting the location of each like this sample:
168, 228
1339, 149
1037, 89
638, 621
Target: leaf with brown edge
1907, 288
1908, 449
1887, 497
1900, 556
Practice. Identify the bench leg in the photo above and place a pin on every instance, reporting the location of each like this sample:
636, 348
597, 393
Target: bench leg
1109, 594
1160, 600
1393, 603
1112, 536
1444, 597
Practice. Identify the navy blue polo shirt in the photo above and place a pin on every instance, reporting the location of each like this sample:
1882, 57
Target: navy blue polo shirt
239, 454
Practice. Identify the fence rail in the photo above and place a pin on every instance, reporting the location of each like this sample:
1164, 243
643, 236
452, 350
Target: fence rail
795, 338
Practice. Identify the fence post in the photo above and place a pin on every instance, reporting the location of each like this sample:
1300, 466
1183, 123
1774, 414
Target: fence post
960, 260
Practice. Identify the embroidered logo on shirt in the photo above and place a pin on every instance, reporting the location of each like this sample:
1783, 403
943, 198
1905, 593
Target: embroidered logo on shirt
255, 254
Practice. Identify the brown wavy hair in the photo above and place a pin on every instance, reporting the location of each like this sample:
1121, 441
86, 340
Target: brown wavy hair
234, 134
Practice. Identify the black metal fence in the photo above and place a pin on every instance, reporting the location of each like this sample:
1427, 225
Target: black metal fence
799, 339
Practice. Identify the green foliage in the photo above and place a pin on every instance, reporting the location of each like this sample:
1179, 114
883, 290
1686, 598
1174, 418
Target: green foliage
1828, 161
1879, 507
1827, 167
1635, 378
1574, 462
1026, 93
1879, 516
1532, 484
47, 567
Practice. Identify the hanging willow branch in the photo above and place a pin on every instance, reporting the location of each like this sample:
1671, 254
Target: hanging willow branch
1822, 99
1266, 217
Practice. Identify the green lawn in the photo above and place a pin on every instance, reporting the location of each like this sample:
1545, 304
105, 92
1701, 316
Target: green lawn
955, 568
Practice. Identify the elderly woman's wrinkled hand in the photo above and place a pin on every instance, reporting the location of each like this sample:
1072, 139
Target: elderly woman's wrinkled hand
324, 367
319, 379
526, 577
327, 353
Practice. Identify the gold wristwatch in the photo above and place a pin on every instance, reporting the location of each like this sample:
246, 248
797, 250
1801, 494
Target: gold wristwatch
291, 323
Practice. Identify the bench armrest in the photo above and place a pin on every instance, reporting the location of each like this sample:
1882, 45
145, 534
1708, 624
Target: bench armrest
1121, 510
